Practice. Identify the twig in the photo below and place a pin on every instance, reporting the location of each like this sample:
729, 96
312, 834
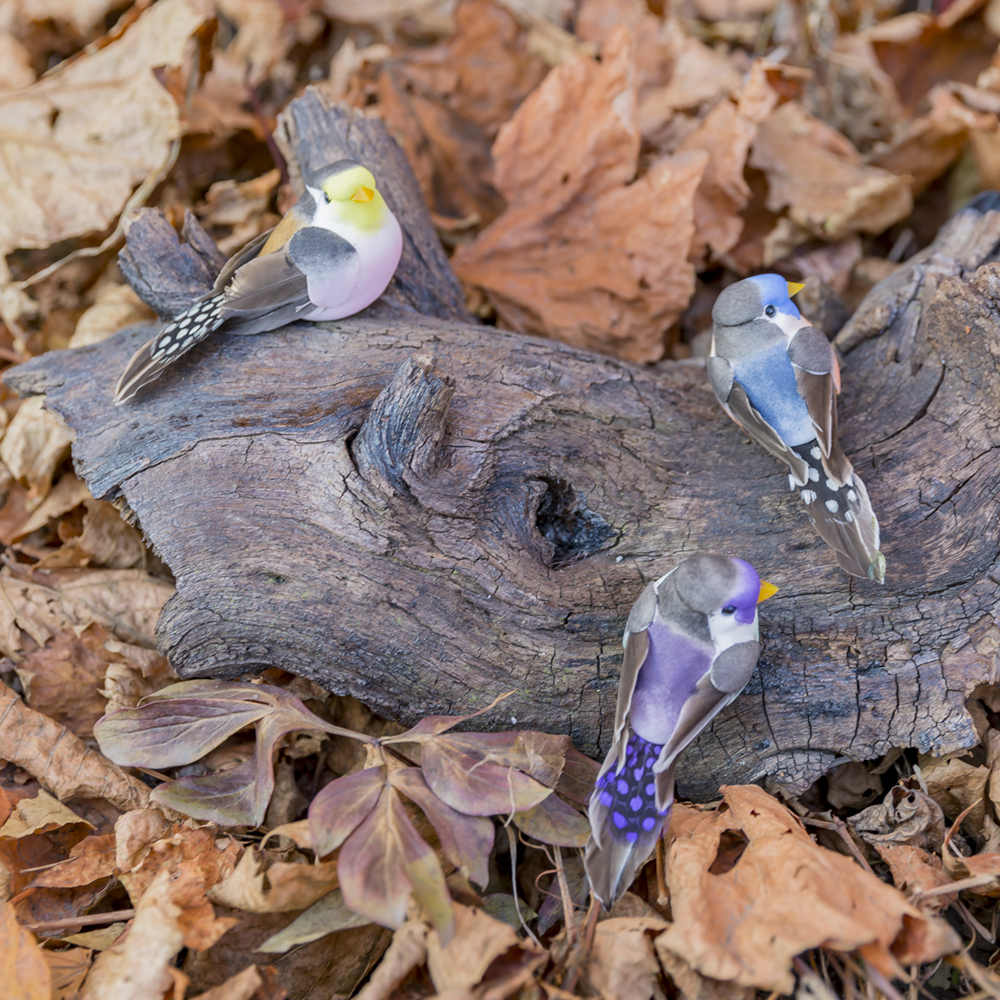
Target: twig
973, 923
881, 983
662, 892
513, 883
94, 918
972, 882
569, 910
840, 827
582, 954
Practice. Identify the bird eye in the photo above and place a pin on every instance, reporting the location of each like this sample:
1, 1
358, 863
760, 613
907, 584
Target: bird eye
729, 609
327, 197
770, 311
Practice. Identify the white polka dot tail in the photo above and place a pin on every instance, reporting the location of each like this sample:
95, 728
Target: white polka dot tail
777, 376
332, 255
691, 644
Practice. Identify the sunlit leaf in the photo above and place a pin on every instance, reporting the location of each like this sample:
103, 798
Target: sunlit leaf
473, 786
172, 732
324, 917
465, 840
341, 806
554, 822
384, 860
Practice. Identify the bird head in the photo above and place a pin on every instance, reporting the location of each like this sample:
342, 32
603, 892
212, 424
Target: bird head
347, 192
724, 589
765, 296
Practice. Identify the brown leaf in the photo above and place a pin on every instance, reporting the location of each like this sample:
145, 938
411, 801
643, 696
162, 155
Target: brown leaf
134, 674
36, 442
623, 964
242, 207
914, 871
93, 858
818, 176
407, 951
136, 832
579, 256
465, 840
242, 986
96, 126
68, 969
64, 496
554, 822
63, 678
385, 860
479, 940
37, 815
115, 306
784, 889
106, 540
907, 815
23, 969
694, 986
282, 888
137, 965
60, 761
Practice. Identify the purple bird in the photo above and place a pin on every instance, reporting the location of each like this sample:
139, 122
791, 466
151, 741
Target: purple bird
777, 376
691, 644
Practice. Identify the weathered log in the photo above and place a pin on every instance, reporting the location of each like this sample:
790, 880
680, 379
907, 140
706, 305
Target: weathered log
426, 513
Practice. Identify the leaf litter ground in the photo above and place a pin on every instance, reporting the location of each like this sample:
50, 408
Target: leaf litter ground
599, 170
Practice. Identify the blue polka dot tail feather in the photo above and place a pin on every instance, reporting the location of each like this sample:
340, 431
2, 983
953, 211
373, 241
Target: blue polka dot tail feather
691, 644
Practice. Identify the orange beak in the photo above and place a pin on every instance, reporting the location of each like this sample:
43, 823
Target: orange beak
363, 194
766, 590
794, 287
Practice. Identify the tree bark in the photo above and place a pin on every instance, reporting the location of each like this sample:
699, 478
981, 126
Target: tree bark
426, 513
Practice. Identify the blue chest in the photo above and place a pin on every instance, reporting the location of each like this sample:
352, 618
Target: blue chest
769, 381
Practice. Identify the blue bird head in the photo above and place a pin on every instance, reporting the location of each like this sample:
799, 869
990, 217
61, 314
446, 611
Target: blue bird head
774, 291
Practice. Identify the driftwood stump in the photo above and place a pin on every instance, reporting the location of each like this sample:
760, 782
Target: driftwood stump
426, 513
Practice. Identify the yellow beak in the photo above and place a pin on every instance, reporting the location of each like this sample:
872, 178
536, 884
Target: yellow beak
363, 194
766, 590
794, 287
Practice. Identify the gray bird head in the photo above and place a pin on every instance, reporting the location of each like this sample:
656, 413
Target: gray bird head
708, 584
763, 295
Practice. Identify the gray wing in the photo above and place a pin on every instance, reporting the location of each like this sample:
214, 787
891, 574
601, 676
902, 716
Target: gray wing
269, 290
739, 407
817, 377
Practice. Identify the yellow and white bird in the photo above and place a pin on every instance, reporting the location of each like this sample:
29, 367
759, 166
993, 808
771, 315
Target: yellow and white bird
333, 254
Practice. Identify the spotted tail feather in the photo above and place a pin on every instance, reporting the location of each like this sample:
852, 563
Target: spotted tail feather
843, 516
176, 338
625, 823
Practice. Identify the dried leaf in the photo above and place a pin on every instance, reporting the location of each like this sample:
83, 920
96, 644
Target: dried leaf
115, 306
325, 916
554, 822
385, 860
63, 497
62, 679
38, 814
818, 176
95, 126
101, 939
136, 832
341, 806
579, 256
93, 858
478, 941
465, 840
137, 966
907, 815
623, 964
914, 871
783, 889
242, 207
282, 888
68, 969
23, 969
36, 441
242, 986
106, 540
62, 762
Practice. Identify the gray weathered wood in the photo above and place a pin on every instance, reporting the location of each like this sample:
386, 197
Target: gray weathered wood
425, 514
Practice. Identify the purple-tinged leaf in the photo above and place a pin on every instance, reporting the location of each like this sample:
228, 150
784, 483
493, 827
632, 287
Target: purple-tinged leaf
172, 733
578, 776
434, 725
237, 797
554, 822
341, 806
465, 840
385, 860
474, 787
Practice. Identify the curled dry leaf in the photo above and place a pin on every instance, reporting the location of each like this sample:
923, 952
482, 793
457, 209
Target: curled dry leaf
38, 814
583, 255
479, 940
135, 833
915, 871
783, 895
282, 888
907, 815
817, 175
243, 986
115, 307
407, 951
60, 761
23, 969
95, 126
67, 493
36, 441
92, 859
137, 965
623, 963
106, 540
240, 206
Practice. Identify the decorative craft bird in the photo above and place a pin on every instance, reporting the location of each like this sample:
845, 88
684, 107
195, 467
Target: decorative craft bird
691, 644
333, 254
777, 376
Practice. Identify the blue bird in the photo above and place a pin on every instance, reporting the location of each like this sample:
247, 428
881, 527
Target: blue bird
777, 376
691, 644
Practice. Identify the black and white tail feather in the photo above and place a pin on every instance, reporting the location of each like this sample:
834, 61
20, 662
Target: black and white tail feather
178, 337
841, 512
